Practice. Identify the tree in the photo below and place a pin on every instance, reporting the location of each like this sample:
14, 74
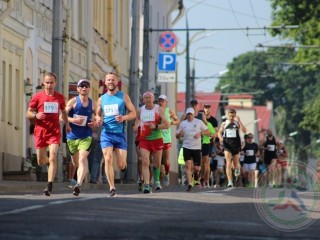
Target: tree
270, 76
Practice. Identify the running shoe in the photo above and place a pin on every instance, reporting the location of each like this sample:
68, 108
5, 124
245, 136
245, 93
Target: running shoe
190, 188
230, 185
47, 191
76, 190
140, 185
166, 180
147, 188
158, 186
237, 173
112, 193
196, 183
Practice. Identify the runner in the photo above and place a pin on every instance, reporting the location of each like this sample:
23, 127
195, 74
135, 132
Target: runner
191, 131
230, 137
269, 152
166, 134
44, 108
251, 151
152, 120
114, 108
80, 110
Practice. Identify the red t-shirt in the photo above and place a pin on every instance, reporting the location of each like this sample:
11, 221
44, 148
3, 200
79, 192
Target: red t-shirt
51, 106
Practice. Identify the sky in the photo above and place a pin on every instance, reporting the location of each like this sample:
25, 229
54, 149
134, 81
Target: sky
213, 50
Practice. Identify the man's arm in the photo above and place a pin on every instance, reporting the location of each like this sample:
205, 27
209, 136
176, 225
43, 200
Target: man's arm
137, 121
31, 113
241, 126
64, 116
98, 116
165, 123
131, 110
174, 117
220, 132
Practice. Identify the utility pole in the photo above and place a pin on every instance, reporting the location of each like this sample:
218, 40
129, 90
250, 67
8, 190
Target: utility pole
188, 81
57, 48
146, 54
133, 86
57, 63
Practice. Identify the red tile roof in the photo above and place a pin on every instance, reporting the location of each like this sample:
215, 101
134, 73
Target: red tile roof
264, 114
203, 98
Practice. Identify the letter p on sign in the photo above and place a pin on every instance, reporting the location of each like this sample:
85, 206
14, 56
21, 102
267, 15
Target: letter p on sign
167, 62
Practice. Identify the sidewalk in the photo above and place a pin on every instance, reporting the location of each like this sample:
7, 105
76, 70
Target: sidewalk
10, 187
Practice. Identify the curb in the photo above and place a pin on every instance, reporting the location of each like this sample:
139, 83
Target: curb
7, 187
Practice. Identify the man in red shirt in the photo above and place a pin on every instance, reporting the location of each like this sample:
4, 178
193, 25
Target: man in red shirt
44, 108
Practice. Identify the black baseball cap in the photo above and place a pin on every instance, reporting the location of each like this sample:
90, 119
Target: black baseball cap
194, 102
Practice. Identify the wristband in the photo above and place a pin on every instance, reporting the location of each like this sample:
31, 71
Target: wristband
35, 115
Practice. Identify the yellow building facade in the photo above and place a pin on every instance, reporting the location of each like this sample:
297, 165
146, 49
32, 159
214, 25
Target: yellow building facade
95, 40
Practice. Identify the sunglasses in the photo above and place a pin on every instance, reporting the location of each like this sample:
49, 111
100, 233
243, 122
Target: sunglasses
84, 85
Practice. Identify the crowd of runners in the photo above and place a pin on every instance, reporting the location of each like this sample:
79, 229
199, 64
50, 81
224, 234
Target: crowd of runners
211, 155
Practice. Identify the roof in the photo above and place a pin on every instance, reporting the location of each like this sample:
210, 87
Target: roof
264, 114
203, 98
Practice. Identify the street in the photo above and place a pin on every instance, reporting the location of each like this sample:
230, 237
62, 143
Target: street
171, 213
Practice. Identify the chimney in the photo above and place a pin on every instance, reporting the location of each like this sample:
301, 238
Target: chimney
269, 105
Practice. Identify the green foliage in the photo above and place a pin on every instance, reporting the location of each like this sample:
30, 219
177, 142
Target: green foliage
268, 75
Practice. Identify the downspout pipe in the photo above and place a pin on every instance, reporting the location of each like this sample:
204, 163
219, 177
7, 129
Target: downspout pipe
67, 39
110, 33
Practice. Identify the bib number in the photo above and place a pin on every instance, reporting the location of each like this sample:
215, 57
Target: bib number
111, 110
271, 147
148, 117
231, 133
51, 107
80, 116
249, 152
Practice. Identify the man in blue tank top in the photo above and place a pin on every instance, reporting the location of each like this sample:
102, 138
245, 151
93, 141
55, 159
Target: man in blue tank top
113, 109
80, 110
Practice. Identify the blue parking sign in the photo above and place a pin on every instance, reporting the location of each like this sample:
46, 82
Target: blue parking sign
167, 62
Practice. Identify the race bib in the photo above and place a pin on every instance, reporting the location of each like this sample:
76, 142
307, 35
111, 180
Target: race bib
111, 110
249, 153
271, 147
80, 116
147, 116
51, 107
231, 133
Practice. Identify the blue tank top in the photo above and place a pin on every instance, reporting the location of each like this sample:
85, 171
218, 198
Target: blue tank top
80, 132
111, 106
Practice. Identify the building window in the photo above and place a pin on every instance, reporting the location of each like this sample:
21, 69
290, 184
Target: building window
17, 99
3, 91
10, 91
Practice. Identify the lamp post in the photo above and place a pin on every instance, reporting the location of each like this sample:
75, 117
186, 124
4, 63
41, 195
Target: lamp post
193, 89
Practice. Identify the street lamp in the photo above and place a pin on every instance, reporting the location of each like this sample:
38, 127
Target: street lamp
194, 70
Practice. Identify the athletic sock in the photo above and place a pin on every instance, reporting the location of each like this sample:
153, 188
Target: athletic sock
156, 174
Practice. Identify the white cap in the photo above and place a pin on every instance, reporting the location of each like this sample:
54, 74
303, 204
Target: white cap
82, 81
164, 97
190, 110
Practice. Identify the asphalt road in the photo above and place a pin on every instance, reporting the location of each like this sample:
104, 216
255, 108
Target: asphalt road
171, 213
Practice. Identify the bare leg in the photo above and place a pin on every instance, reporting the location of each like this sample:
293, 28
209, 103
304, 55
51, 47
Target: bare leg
108, 157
